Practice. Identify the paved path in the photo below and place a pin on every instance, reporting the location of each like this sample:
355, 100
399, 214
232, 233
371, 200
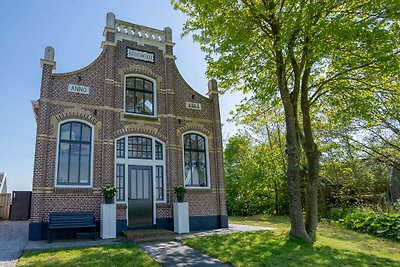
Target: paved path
13, 239
176, 254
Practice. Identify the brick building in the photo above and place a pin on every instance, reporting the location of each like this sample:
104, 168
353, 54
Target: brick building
128, 119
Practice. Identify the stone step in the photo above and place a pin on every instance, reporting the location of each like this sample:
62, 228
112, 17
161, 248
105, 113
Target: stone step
148, 235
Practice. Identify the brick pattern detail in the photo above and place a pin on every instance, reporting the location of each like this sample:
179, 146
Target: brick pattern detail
104, 109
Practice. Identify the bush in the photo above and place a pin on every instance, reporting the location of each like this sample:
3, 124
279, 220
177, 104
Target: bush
376, 223
334, 214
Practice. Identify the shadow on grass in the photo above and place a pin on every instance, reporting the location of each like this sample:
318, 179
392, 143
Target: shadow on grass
113, 255
280, 222
266, 248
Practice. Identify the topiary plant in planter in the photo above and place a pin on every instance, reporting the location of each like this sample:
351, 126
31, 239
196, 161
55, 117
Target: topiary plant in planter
109, 193
180, 192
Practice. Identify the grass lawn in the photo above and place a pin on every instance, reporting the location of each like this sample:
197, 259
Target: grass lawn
335, 246
112, 255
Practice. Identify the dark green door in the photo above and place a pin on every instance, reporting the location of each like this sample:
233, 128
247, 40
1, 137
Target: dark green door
140, 197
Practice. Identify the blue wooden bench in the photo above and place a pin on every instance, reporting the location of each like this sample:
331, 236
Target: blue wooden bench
69, 220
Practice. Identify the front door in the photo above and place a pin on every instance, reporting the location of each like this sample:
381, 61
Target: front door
140, 196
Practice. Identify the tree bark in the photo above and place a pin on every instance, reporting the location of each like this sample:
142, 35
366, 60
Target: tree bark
313, 166
297, 228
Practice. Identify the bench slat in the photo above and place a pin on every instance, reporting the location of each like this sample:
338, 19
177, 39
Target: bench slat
68, 220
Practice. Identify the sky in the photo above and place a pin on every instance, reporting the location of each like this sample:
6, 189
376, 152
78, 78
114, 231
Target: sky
75, 29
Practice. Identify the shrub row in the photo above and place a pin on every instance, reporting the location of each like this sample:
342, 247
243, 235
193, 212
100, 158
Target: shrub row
376, 223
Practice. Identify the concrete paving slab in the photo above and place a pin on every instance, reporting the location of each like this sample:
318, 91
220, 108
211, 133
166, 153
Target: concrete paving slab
176, 254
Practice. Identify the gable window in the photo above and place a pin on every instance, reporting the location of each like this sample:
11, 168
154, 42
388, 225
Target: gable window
139, 96
195, 160
74, 154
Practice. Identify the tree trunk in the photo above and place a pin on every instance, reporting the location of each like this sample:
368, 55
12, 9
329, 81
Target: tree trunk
313, 166
297, 228
277, 212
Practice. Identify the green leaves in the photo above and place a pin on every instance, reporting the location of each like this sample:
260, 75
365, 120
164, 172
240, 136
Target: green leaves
380, 224
255, 177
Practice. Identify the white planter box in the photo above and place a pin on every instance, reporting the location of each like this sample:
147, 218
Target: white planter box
108, 221
181, 217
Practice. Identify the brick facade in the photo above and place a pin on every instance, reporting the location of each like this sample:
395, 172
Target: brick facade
103, 108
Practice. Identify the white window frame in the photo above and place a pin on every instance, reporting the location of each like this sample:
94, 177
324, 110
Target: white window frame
142, 162
154, 95
90, 185
207, 161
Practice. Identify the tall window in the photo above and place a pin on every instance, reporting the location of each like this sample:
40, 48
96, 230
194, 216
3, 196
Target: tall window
139, 96
74, 154
159, 183
195, 160
120, 182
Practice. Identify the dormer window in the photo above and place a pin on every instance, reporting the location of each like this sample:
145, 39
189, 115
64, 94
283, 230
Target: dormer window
139, 96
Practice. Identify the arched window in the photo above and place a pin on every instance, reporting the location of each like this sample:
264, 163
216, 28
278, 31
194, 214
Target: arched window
139, 96
74, 154
140, 151
195, 158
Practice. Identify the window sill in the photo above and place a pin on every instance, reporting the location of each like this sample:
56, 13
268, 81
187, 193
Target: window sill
163, 205
140, 116
121, 206
198, 188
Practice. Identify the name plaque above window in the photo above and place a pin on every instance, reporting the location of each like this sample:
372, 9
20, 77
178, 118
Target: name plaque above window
139, 55
192, 105
80, 89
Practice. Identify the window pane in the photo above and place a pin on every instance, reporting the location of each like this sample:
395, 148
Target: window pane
139, 184
121, 148
139, 101
86, 133
120, 182
186, 139
146, 183
202, 169
139, 84
63, 163
148, 104
133, 184
130, 147
85, 164
159, 183
65, 131
195, 165
159, 150
193, 141
76, 131
200, 143
74, 163
188, 169
129, 101
139, 148
130, 83
148, 86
